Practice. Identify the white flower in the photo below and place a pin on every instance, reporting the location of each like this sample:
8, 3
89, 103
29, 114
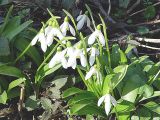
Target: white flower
82, 19
41, 38
66, 26
107, 99
93, 71
59, 57
53, 32
94, 52
77, 53
96, 34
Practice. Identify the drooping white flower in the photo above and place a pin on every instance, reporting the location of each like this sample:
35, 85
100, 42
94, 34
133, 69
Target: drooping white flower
93, 53
82, 19
70, 49
96, 34
53, 32
108, 100
78, 53
59, 57
93, 71
67, 27
41, 38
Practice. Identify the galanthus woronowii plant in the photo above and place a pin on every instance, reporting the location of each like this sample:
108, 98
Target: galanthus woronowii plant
90, 56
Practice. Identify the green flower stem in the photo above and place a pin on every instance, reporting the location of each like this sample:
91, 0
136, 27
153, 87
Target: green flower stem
26, 49
154, 78
60, 42
53, 50
106, 39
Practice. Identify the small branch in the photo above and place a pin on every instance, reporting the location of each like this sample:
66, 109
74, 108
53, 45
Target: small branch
107, 17
133, 6
148, 40
109, 7
143, 10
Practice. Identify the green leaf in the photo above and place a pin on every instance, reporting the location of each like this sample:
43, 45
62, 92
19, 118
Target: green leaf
120, 71
79, 105
32, 103
3, 98
10, 71
19, 29
142, 30
4, 47
46, 103
32, 51
16, 83
155, 94
153, 106
123, 58
86, 95
150, 12
71, 91
115, 56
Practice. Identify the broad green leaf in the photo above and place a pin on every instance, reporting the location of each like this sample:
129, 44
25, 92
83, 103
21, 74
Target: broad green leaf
11, 25
10, 71
148, 91
153, 106
19, 29
71, 91
123, 58
79, 105
3, 98
92, 109
4, 2
32, 103
16, 83
6, 19
46, 103
15, 92
86, 95
115, 56
120, 71
155, 94
4, 47
124, 107
32, 51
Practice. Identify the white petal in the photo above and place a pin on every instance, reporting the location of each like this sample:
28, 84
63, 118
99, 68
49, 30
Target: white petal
113, 101
54, 60
92, 56
42, 40
101, 100
35, 39
70, 51
79, 17
107, 107
71, 60
81, 23
72, 30
96, 51
90, 73
50, 36
64, 62
88, 49
92, 38
83, 60
101, 39
47, 30
59, 34
88, 22
64, 28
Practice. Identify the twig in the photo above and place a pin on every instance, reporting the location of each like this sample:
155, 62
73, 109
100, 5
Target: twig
107, 17
109, 7
143, 10
148, 40
133, 6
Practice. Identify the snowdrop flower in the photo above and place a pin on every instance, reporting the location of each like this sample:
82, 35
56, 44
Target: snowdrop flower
93, 71
59, 57
97, 34
82, 19
78, 53
70, 49
67, 27
48, 28
53, 32
107, 99
41, 38
94, 52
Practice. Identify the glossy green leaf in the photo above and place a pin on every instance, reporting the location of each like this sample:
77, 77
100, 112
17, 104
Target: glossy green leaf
32, 51
71, 91
3, 98
123, 58
16, 83
10, 71
4, 47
